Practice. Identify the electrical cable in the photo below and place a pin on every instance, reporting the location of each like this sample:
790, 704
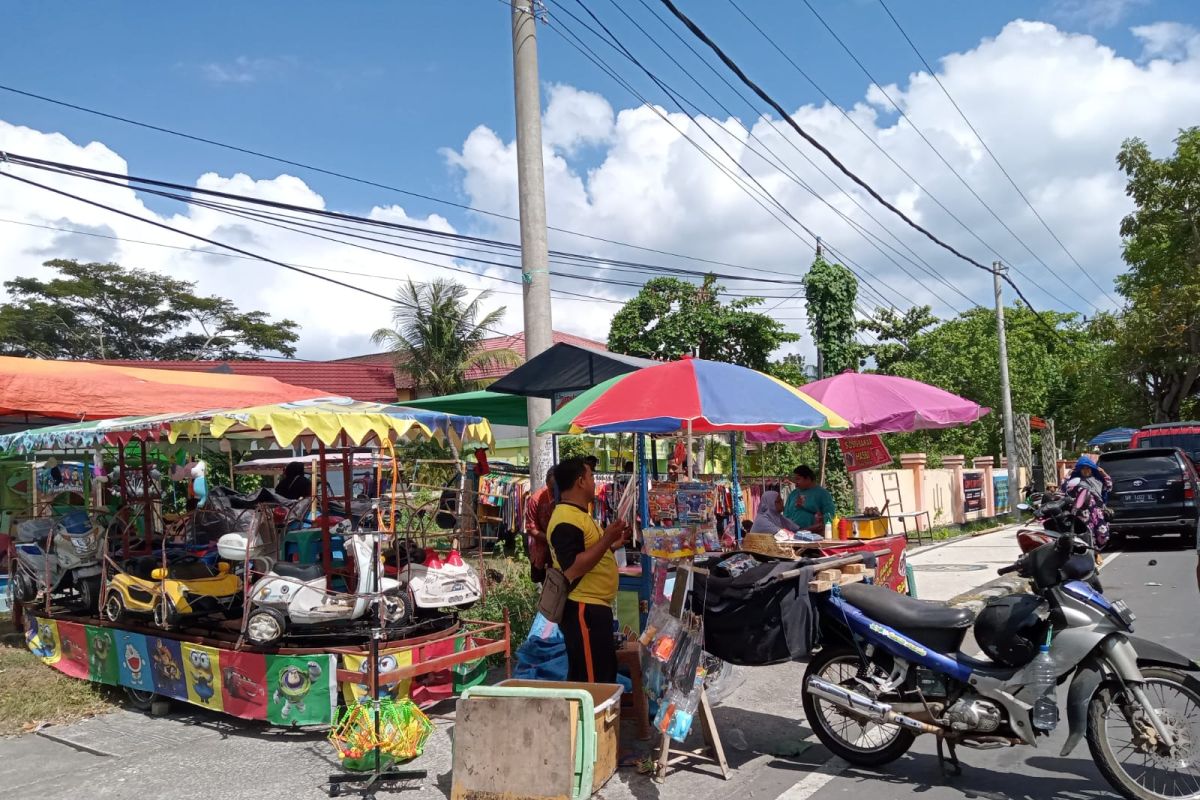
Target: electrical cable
947, 164
991, 154
729, 63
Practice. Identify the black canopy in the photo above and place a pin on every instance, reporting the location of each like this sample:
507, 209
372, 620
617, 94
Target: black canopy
566, 368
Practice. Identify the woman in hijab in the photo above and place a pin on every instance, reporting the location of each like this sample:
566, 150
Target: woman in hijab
1088, 476
770, 517
294, 484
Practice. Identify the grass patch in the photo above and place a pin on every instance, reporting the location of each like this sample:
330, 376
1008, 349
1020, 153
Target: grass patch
966, 529
33, 693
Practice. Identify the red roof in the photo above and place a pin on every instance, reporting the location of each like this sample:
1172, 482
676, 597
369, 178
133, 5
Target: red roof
514, 342
358, 380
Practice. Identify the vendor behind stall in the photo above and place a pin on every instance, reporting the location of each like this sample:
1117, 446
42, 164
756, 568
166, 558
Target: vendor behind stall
809, 505
770, 518
294, 484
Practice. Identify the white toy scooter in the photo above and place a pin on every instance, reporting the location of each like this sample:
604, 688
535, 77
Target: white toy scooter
297, 595
437, 584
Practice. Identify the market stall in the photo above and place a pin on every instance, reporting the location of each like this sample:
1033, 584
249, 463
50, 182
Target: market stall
212, 659
687, 398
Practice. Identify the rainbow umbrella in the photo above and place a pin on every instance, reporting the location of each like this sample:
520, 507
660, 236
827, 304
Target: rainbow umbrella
712, 396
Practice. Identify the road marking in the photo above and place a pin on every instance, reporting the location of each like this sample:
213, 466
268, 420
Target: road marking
816, 780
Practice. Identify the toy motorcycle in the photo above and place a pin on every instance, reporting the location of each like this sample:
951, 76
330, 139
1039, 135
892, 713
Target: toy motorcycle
55, 556
297, 596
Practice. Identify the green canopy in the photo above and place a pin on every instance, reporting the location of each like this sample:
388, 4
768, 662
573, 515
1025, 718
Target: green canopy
560, 421
499, 409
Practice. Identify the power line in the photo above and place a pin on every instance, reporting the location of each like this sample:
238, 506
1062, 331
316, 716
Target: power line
781, 165
356, 179
582, 46
868, 137
943, 159
700, 34
1009, 177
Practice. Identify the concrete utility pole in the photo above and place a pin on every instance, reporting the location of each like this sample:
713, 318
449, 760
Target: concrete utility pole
1010, 436
535, 256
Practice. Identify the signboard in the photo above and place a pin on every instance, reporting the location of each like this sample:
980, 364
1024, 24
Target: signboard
562, 398
864, 452
973, 500
1000, 489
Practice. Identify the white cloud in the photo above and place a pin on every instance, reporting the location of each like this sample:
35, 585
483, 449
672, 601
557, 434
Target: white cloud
245, 69
1053, 106
1169, 40
1093, 14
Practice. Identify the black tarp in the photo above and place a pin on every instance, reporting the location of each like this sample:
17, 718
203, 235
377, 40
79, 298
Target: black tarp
566, 368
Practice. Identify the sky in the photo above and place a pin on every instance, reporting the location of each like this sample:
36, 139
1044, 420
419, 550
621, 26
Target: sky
418, 96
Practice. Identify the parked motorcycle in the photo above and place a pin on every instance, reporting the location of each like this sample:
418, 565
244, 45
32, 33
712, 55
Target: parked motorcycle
1057, 514
59, 556
891, 670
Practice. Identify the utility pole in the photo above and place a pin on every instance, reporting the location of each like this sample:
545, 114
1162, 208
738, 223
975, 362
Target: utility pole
535, 255
1010, 436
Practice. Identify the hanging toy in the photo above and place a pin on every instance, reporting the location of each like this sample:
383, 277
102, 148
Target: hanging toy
200, 482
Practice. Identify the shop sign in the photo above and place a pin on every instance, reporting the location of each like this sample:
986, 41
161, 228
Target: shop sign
864, 452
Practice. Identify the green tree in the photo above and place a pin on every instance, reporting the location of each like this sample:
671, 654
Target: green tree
670, 318
97, 310
893, 333
830, 291
1159, 335
437, 335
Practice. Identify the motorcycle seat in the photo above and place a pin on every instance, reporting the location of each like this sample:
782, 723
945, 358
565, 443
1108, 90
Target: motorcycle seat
905, 613
299, 572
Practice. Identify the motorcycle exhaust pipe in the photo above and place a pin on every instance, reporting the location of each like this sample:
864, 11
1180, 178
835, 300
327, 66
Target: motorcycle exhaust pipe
873, 710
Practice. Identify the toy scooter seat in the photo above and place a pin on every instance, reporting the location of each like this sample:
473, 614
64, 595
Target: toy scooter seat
300, 572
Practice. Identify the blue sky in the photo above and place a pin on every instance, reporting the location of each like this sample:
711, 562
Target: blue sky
419, 95
377, 89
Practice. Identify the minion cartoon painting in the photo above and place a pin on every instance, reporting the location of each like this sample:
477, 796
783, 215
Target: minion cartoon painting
202, 675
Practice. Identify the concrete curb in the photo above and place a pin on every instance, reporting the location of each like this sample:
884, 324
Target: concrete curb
916, 551
977, 598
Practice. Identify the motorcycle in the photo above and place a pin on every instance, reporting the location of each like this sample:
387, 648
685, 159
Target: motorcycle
891, 670
56, 556
1058, 515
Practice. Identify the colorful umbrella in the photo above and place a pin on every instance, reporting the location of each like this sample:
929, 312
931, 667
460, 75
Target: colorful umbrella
882, 404
712, 396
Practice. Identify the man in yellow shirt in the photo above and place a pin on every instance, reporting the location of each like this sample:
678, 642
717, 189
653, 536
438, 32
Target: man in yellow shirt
585, 555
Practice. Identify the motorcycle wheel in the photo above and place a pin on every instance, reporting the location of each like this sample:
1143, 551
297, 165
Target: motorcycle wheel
89, 593
20, 585
854, 739
265, 626
1133, 766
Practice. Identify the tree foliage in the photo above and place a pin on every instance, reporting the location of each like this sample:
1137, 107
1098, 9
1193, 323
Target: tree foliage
437, 335
830, 291
98, 310
670, 318
1158, 337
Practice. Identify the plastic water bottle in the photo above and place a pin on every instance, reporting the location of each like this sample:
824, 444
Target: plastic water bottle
1043, 678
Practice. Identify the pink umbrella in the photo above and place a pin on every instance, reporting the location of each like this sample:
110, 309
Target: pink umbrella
881, 404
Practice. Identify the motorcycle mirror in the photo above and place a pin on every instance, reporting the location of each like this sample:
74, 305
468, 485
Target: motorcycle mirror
1022, 506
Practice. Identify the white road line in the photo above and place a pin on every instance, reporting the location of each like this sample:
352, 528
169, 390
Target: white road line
816, 780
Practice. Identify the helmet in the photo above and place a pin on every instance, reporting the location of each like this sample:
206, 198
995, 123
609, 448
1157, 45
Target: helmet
1010, 629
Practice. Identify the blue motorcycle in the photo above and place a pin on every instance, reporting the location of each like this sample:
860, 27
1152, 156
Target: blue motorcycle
891, 669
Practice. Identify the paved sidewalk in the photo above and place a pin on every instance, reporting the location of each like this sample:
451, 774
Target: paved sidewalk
954, 570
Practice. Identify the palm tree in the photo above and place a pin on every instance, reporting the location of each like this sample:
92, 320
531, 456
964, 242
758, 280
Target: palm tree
436, 335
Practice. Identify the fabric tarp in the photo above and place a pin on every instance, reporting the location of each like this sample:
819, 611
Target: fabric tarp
566, 368
500, 409
78, 390
330, 420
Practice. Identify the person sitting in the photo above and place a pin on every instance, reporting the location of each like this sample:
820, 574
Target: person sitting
809, 505
770, 519
294, 484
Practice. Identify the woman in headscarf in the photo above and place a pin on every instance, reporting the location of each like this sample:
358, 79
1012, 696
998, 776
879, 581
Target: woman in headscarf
295, 483
770, 517
1088, 476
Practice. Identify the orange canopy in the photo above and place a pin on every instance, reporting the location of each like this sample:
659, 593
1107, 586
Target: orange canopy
78, 390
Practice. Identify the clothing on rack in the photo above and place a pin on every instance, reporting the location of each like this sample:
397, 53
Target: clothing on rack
502, 499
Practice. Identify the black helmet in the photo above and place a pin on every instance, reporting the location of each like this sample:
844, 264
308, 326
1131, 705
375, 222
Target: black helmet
1010, 630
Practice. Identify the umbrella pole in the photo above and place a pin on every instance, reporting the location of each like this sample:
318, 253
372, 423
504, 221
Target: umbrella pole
688, 448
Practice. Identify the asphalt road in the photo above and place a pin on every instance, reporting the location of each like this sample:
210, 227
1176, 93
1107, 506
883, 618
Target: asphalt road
1158, 580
